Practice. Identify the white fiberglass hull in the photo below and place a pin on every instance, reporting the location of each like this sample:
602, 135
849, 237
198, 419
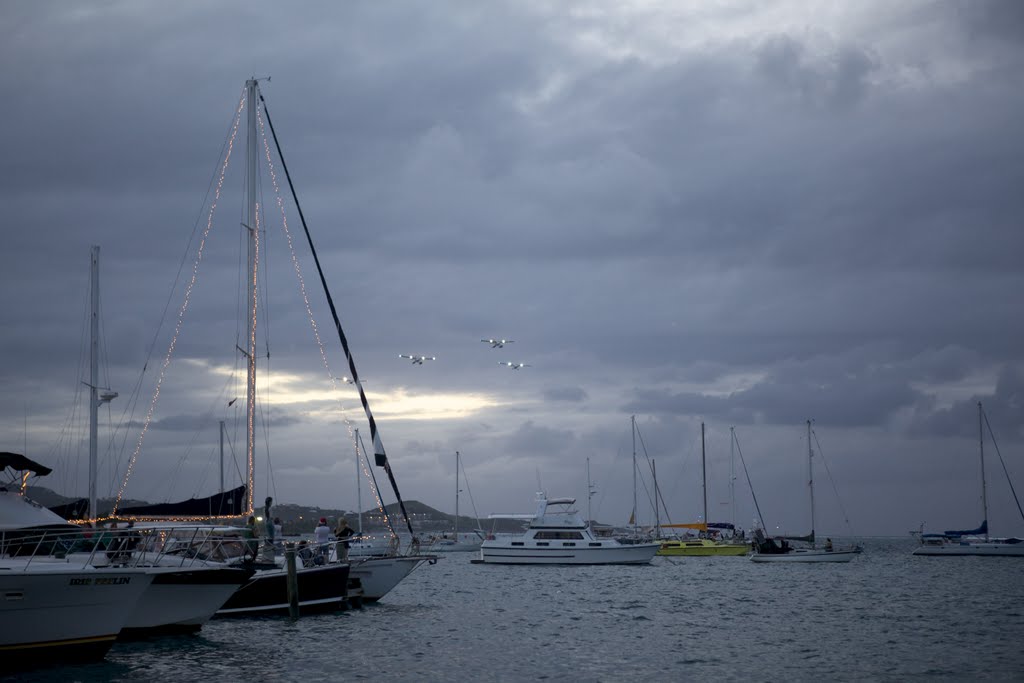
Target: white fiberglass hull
373, 548
182, 600
974, 548
496, 552
802, 555
379, 575
52, 613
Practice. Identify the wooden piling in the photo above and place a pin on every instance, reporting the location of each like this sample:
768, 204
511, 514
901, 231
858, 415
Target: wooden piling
293, 581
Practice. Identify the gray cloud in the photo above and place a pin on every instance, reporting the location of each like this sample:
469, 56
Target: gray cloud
754, 226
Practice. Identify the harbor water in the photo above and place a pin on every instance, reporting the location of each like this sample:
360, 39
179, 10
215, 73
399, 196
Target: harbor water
888, 615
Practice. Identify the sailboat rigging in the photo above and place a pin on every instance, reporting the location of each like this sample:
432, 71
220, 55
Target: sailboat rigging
455, 543
976, 541
254, 103
702, 546
770, 550
380, 455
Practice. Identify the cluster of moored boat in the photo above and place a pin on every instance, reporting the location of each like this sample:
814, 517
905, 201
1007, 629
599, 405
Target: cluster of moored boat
69, 593
557, 534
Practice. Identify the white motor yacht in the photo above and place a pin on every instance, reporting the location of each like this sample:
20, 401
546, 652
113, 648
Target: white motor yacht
558, 535
180, 594
54, 613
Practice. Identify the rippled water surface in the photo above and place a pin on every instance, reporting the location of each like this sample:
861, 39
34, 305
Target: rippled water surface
887, 615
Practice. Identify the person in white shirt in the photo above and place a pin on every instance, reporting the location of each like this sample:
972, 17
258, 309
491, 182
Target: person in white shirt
322, 537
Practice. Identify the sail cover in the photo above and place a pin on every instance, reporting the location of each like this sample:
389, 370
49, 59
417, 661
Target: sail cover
76, 509
228, 504
981, 530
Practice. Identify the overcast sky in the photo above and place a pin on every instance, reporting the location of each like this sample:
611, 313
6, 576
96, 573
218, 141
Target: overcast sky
749, 214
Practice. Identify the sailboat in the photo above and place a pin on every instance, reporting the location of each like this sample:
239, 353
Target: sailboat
974, 541
702, 546
772, 550
321, 587
454, 542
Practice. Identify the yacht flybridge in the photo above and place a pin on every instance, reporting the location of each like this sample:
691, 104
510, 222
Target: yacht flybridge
558, 535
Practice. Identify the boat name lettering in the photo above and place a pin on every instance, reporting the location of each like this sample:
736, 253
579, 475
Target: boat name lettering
101, 581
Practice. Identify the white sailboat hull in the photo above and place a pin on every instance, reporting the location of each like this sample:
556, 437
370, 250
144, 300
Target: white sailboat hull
973, 548
806, 555
182, 600
451, 544
381, 574
452, 547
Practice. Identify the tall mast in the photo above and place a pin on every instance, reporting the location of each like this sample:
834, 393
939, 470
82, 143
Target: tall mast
732, 475
633, 516
981, 455
703, 473
95, 397
657, 516
456, 496
94, 401
222, 456
252, 224
359, 488
590, 494
810, 475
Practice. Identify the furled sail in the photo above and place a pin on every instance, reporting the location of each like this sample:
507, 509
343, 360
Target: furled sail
228, 504
76, 509
980, 531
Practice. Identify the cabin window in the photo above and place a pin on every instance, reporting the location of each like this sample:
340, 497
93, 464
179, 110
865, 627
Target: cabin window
543, 543
559, 535
517, 542
568, 543
595, 545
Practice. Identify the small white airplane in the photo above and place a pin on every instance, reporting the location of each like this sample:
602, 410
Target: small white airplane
416, 360
515, 366
497, 343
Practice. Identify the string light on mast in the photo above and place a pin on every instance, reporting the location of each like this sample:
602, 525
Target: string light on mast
183, 308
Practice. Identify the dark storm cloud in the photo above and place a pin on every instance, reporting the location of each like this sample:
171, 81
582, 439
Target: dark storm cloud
758, 225
570, 394
1004, 409
788, 398
191, 423
837, 80
532, 440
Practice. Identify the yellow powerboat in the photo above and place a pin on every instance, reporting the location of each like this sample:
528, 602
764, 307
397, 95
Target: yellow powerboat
702, 547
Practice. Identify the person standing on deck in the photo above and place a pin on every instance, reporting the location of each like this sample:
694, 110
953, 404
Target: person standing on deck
252, 541
343, 531
322, 537
269, 530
